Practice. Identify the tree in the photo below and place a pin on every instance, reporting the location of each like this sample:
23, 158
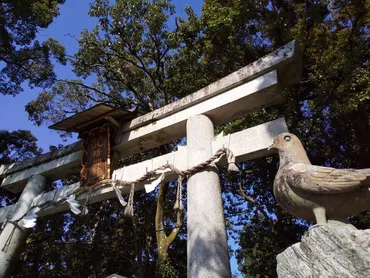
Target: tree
163, 267
24, 58
328, 109
17, 146
138, 59
129, 52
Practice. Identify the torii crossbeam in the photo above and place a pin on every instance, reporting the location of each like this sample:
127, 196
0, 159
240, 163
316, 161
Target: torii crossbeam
249, 89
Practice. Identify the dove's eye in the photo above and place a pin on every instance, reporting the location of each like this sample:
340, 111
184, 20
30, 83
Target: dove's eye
287, 138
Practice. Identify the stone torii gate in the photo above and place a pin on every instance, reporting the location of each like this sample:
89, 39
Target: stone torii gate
249, 89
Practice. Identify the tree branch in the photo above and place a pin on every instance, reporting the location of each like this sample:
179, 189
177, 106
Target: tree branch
258, 206
90, 88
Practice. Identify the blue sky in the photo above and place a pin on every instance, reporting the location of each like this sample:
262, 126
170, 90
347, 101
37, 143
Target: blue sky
72, 20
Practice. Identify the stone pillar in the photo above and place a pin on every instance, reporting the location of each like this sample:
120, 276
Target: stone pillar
13, 236
208, 254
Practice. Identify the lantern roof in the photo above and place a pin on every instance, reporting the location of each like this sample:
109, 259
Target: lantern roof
94, 115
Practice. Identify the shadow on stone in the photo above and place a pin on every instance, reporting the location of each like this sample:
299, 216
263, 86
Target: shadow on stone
217, 262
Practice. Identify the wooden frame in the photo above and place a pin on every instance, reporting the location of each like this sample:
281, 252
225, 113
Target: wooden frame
95, 159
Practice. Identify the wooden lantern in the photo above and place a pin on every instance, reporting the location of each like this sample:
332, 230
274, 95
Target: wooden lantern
96, 127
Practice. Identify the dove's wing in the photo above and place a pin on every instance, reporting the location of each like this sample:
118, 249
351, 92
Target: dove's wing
324, 180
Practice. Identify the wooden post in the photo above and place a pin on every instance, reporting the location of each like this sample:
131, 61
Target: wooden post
13, 236
208, 254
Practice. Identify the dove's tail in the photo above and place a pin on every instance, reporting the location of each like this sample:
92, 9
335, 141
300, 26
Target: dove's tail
365, 172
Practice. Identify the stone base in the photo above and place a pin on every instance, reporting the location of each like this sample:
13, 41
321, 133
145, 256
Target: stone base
327, 251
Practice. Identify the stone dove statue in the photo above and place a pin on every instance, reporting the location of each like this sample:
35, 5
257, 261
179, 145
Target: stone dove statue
314, 192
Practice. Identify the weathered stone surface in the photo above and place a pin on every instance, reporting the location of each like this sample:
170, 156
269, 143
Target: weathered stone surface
13, 236
247, 144
208, 253
248, 89
328, 251
40, 159
286, 60
263, 91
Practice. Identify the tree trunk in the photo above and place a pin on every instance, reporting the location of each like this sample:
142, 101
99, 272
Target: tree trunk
164, 241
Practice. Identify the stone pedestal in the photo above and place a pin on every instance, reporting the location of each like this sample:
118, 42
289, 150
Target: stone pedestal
328, 251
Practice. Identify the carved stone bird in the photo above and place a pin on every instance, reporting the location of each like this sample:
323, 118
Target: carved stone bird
314, 192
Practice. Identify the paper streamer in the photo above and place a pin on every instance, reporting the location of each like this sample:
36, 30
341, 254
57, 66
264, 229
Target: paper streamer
150, 187
29, 221
119, 195
73, 204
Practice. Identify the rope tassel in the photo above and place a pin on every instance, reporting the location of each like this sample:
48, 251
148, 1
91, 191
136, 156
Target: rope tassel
178, 203
73, 197
232, 168
129, 210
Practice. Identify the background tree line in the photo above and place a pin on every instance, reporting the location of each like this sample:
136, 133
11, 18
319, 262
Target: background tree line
141, 53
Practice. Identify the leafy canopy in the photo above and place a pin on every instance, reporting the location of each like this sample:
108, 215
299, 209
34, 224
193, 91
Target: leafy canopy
22, 57
140, 53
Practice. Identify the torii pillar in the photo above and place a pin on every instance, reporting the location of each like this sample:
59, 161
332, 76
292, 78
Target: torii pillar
207, 248
13, 237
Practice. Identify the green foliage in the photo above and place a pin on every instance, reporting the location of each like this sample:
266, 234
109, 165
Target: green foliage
99, 244
328, 109
166, 270
140, 54
25, 58
128, 52
17, 146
